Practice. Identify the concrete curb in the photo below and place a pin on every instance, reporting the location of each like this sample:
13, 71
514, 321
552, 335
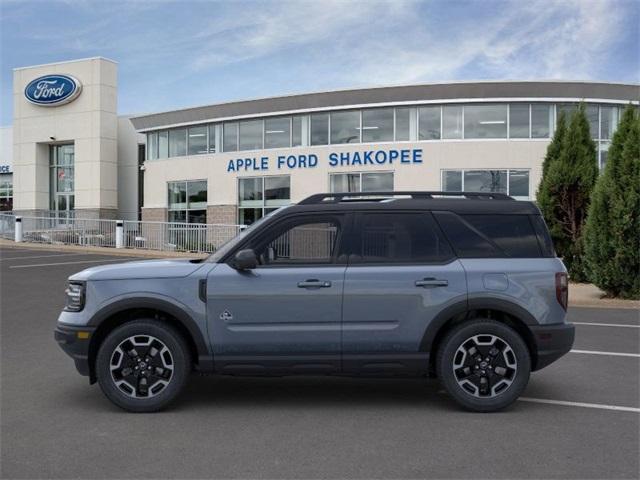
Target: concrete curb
124, 252
588, 295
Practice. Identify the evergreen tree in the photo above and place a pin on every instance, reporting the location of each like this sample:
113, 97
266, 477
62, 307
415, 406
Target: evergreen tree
612, 233
565, 191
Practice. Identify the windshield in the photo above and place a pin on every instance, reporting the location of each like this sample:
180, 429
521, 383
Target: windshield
226, 247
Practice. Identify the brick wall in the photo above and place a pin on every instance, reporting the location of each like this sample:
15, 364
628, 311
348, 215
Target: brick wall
154, 214
223, 214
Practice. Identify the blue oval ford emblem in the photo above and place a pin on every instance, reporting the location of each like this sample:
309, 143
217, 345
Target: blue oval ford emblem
52, 90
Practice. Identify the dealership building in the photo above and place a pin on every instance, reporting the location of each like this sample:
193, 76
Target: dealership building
70, 152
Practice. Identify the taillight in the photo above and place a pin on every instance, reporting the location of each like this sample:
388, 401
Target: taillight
562, 289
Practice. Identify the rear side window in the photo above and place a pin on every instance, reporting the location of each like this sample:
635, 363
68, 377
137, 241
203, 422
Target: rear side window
400, 238
513, 234
467, 241
544, 239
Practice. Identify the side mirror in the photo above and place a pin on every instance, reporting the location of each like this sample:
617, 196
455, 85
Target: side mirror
245, 260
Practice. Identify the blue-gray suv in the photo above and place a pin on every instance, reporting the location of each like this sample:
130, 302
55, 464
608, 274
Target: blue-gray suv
462, 286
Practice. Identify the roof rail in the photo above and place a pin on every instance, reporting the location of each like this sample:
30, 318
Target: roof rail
355, 196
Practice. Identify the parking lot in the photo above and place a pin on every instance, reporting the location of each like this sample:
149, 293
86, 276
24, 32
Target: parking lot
579, 418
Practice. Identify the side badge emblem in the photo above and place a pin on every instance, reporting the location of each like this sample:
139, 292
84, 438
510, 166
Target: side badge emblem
226, 316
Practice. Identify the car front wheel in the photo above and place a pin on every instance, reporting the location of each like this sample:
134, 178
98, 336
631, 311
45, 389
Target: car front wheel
143, 365
484, 365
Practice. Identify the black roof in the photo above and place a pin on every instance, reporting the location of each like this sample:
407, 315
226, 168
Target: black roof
458, 202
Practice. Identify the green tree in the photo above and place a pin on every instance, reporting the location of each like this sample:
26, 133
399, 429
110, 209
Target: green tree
566, 188
612, 233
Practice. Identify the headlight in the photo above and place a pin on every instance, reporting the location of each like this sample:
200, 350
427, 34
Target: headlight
75, 297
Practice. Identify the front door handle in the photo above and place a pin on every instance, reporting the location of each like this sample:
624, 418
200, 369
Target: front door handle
313, 283
432, 283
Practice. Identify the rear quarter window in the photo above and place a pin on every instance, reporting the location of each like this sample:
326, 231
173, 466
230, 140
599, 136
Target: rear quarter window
513, 234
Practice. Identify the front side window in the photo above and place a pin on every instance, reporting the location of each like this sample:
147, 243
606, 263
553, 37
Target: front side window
178, 142
377, 125
360, 182
277, 132
258, 196
303, 241
187, 201
251, 135
319, 129
429, 123
345, 127
197, 140
400, 238
485, 121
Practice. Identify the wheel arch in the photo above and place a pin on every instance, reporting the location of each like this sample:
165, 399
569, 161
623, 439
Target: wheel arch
503, 311
127, 310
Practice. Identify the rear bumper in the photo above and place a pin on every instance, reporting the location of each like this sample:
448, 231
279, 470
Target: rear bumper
74, 345
552, 342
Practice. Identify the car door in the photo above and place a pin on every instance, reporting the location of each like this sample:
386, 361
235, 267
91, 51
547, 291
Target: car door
401, 274
285, 315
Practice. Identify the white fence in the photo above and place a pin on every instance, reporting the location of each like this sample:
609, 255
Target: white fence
163, 236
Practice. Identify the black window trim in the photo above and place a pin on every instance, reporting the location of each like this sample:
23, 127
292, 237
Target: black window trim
345, 219
357, 230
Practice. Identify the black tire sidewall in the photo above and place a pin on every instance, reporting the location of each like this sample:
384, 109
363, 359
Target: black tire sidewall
174, 342
449, 347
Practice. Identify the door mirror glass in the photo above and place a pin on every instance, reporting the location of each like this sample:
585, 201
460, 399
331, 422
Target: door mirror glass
245, 260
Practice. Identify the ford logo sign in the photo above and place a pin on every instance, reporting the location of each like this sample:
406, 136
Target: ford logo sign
53, 90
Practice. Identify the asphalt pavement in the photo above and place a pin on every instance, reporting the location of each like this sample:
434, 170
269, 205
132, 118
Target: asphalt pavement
579, 417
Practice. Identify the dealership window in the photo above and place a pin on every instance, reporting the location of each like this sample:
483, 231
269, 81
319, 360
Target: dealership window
296, 131
163, 144
320, 129
61, 180
452, 121
258, 196
377, 125
604, 152
519, 120
541, 120
403, 124
188, 201
485, 121
429, 123
178, 142
6, 191
360, 182
512, 182
592, 113
251, 133
345, 127
230, 137
608, 122
277, 132
152, 146
212, 138
197, 140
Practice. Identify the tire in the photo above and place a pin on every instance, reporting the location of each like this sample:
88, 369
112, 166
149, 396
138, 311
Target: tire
461, 369
148, 346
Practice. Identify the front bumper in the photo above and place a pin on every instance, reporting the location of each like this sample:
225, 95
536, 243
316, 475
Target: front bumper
552, 342
75, 343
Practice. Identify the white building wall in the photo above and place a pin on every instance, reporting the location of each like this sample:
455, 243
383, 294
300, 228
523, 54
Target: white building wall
128, 169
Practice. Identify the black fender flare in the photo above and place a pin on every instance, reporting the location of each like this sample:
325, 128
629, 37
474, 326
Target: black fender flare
205, 359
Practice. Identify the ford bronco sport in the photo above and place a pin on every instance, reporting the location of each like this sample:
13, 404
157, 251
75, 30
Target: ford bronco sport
463, 286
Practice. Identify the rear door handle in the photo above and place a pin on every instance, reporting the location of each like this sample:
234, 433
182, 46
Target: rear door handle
313, 283
431, 283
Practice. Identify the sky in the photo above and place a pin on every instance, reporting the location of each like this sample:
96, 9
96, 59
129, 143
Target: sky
176, 54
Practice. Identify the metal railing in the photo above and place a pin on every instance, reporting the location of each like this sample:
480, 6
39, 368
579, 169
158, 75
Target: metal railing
162, 236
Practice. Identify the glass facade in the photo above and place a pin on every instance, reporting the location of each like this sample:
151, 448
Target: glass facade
360, 182
6, 192
384, 124
512, 182
61, 179
258, 196
187, 201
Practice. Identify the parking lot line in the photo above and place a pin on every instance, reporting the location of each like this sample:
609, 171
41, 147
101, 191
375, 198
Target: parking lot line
67, 263
41, 256
580, 404
606, 324
615, 354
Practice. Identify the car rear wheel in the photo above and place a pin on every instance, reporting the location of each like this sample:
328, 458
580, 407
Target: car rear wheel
484, 365
143, 365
